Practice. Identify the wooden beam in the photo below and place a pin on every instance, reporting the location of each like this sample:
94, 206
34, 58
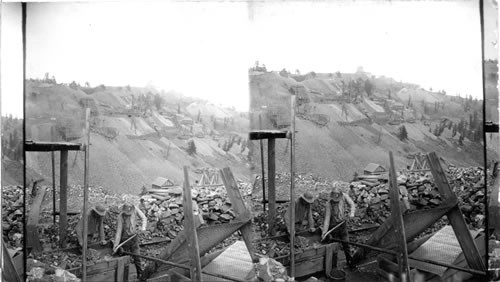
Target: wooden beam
267, 134
9, 272
53, 186
120, 271
262, 167
191, 229
63, 198
418, 164
32, 237
455, 216
36, 146
424, 165
271, 178
238, 206
491, 127
412, 167
398, 220
414, 222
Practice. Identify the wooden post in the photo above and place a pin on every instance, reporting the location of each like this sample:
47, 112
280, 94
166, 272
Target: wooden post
455, 216
53, 177
263, 167
53, 186
63, 198
404, 270
120, 270
271, 178
292, 189
86, 195
191, 230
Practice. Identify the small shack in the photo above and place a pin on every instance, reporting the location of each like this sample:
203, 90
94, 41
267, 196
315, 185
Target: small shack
374, 169
161, 182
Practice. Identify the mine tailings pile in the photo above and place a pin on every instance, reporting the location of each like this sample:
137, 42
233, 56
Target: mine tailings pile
165, 208
417, 189
419, 192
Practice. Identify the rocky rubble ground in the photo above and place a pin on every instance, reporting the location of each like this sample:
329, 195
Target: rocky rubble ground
417, 190
165, 215
165, 221
12, 216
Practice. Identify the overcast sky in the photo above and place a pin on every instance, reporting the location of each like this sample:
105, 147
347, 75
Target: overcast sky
205, 49
11, 58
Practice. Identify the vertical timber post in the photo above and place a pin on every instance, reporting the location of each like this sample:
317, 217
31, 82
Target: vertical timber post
262, 166
271, 178
404, 270
85, 195
292, 189
190, 226
63, 199
53, 176
53, 186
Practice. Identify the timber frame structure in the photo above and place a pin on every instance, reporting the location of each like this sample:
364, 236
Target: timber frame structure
32, 240
386, 237
419, 163
271, 136
182, 257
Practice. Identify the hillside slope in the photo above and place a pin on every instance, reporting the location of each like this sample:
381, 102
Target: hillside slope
356, 133
132, 141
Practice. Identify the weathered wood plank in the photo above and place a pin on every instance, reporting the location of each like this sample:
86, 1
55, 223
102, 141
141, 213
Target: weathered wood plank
19, 265
235, 262
262, 166
267, 134
205, 260
109, 275
398, 219
63, 199
32, 239
309, 267
233, 193
177, 277
53, 162
120, 268
385, 263
271, 172
9, 272
189, 224
414, 222
305, 255
239, 207
461, 262
37, 146
455, 216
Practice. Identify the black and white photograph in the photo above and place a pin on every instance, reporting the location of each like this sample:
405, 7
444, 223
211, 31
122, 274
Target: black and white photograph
250, 141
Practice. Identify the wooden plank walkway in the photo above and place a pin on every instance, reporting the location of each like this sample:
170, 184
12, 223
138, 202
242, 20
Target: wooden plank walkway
234, 262
443, 247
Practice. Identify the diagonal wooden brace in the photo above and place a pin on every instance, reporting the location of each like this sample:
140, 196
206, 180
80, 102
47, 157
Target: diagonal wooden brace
455, 216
